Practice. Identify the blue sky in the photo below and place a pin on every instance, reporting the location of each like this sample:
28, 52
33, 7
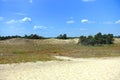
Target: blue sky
50, 18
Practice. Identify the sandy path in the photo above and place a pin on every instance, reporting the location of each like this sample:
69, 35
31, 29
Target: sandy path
76, 69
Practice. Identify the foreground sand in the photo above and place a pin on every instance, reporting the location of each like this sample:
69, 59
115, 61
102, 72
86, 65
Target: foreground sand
70, 69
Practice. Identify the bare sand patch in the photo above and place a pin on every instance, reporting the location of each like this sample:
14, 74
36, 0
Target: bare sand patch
74, 69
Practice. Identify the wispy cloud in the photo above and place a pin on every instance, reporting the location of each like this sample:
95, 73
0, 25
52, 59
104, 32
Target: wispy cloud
88, 0
110, 22
117, 22
107, 22
30, 1
11, 21
19, 13
70, 22
1, 18
4, 0
36, 27
83, 29
25, 19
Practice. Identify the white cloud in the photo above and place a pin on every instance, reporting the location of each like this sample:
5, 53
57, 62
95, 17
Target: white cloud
70, 22
11, 21
84, 21
26, 19
4, 0
117, 22
82, 29
23, 14
36, 27
108, 22
88, 0
1, 18
30, 1
71, 17
87, 21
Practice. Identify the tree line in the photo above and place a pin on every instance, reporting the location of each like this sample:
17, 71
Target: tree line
31, 36
116, 36
35, 36
98, 39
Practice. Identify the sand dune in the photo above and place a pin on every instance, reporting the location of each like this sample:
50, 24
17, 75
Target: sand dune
70, 69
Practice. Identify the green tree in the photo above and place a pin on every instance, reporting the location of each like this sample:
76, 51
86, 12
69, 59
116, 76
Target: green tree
91, 40
33, 36
99, 38
109, 39
64, 36
83, 40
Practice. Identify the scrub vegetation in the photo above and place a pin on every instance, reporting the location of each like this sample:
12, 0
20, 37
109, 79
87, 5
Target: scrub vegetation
17, 50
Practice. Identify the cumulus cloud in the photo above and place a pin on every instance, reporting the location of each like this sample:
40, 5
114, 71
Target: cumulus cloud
36, 27
117, 22
70, 22
88, 0
26, 19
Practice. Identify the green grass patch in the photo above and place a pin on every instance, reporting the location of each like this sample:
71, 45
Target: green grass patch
18, 52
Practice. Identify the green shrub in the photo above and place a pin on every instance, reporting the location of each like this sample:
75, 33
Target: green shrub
98, 39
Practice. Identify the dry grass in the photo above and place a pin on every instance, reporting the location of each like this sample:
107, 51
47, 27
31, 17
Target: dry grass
24, 50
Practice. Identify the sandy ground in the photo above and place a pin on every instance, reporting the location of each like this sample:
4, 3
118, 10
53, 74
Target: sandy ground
69, 69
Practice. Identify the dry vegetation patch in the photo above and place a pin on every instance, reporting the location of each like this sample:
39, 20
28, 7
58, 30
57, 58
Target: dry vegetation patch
27, 50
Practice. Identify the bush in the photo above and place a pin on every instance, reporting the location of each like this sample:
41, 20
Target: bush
98, 39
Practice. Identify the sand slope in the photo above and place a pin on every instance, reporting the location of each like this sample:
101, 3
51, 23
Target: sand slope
75, 69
